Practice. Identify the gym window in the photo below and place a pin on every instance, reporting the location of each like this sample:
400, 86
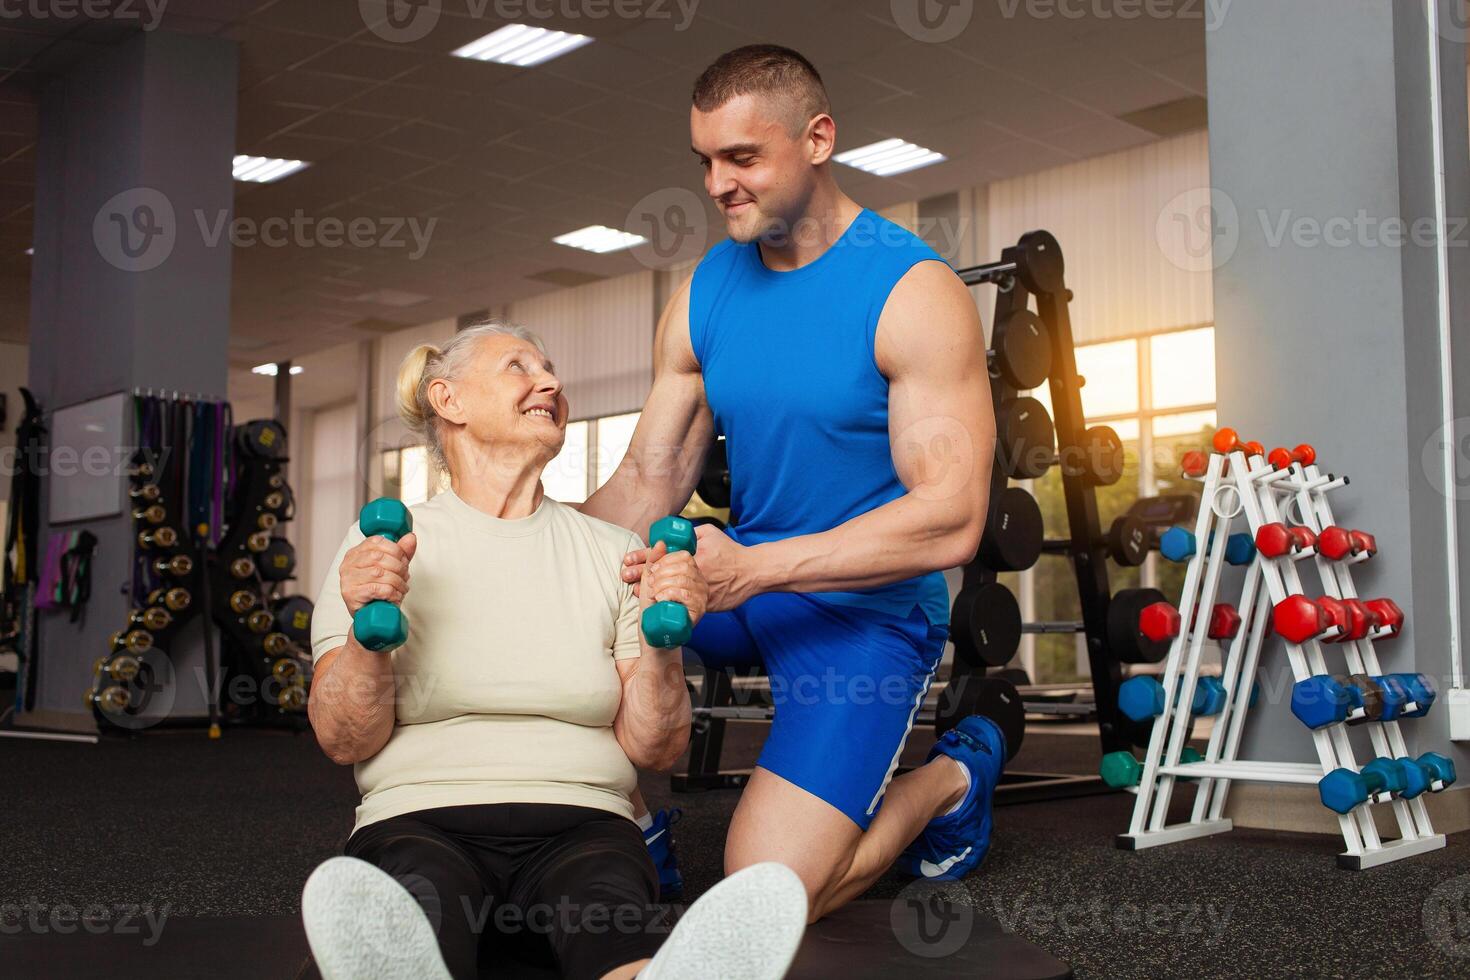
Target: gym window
1158, 393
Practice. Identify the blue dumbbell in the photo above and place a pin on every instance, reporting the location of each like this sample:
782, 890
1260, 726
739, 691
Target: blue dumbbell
1177, 544
1342, 789
1239, 549
1321, 700
1440, 769
1416, 777
380, 625
1420, 690
1395, 696
1209, 696
666, 624
1141, 698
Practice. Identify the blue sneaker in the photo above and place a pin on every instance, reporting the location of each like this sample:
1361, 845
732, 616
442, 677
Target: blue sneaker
661, 848
954, 845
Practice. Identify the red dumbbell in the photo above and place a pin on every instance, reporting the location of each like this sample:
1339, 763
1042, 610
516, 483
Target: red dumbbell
1338, 613
1224, 621
1362, 619
1194, 463
1274, 540
1303, 536
1365, 545
1391, 618
1335, 542
1228, 441
1159, 621
1298, 618
1282, 458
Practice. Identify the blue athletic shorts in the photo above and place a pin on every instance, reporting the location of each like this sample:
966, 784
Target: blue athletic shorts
846, 681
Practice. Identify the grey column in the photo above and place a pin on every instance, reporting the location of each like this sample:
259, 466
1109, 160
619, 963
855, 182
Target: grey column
1327, 295
130, 287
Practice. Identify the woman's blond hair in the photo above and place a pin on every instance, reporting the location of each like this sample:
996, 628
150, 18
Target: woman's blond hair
427, 363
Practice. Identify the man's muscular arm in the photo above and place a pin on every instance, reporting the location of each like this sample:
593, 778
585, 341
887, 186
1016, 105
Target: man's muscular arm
941, 428
666, 454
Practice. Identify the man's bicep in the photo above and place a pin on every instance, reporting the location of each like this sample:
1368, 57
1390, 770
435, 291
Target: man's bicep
931, 346
676, 427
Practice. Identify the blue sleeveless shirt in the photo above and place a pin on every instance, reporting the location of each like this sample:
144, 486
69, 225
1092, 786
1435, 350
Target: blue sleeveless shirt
789, 372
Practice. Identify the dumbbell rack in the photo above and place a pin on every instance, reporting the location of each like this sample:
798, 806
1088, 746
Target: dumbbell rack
1235, 485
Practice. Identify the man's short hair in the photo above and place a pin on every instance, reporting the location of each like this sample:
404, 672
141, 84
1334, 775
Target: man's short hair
769, 70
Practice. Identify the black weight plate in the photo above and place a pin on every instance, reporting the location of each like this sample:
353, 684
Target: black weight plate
714, 483
1126, 642
986, 621
277, 561
1026, 438
1102, 456
994, 697
293, 617
1023, 350
1129, 541
1041, 267
1013, 532
262, 439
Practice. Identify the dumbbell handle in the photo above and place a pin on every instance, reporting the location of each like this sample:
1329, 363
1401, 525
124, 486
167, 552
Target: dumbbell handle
667, 624
379, 625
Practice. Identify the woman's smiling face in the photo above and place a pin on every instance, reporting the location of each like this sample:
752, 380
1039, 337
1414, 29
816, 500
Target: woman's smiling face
512, 396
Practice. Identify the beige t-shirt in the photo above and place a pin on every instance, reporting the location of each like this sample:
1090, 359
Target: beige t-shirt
506, 687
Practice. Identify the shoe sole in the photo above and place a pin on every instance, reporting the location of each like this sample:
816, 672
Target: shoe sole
748, 926
363, 925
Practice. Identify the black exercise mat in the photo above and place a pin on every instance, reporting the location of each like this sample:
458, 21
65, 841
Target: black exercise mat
909, 936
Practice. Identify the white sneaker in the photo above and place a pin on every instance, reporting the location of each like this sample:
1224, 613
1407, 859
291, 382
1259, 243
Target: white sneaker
363, 925
747, 927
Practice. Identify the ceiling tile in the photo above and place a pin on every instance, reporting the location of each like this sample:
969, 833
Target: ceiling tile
1127, 90
301, 87
376, 62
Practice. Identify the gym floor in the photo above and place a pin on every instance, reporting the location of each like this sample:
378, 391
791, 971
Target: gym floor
233, 828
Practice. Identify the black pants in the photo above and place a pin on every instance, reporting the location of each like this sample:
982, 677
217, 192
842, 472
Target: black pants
526, 879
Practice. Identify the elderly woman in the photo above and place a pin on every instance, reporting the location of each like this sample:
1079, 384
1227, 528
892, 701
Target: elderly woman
496, 749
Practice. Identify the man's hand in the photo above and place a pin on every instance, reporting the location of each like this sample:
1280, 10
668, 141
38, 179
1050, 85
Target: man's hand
727, 568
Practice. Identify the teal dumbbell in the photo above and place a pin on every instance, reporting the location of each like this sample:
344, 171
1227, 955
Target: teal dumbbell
380, 625
666, 624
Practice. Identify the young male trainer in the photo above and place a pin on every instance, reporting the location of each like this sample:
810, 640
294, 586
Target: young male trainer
844, 363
